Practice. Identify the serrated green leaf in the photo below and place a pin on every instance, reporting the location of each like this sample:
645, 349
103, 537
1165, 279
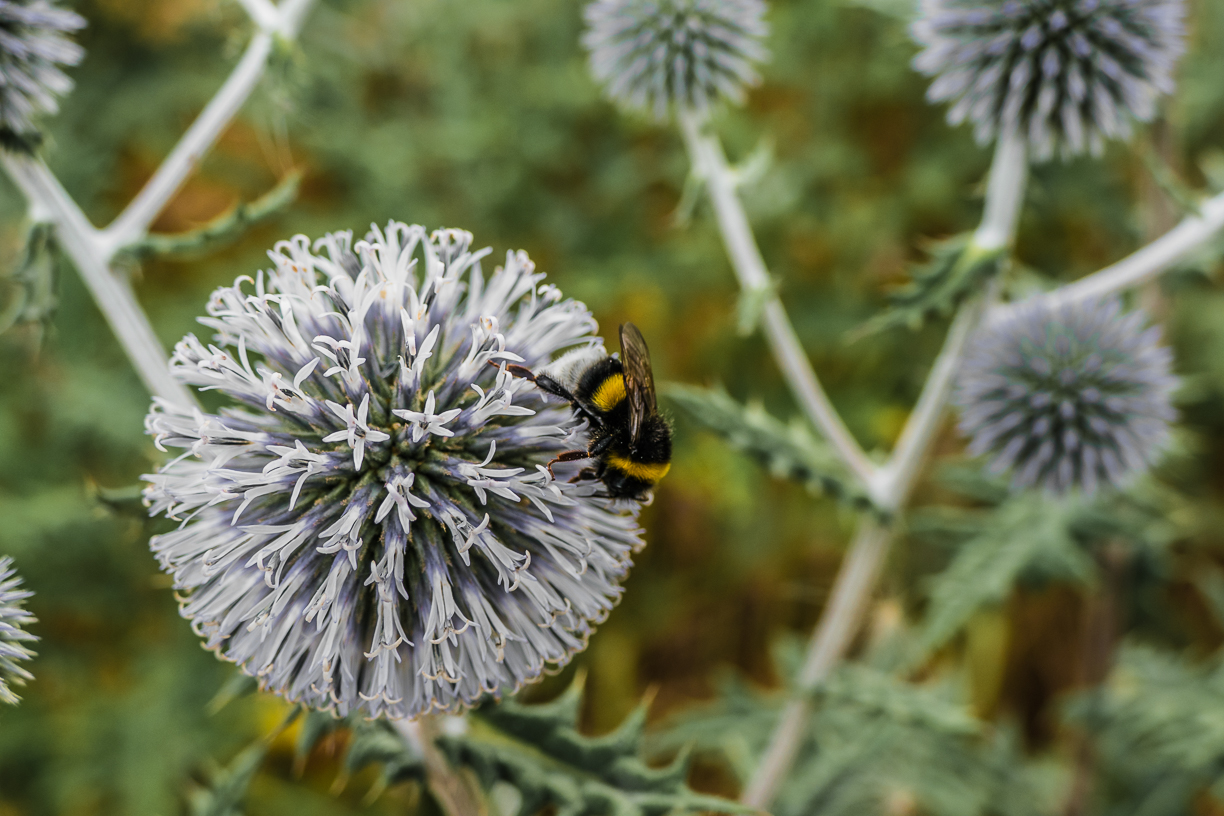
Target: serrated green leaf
874, 741
378, 742
1159, 734
227, 227
225, 791
957, 269
1030, 533
28, 296
788, 451
541, 751
879, 693
538, 750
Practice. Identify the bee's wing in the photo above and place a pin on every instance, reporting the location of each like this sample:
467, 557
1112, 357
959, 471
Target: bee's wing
639, 381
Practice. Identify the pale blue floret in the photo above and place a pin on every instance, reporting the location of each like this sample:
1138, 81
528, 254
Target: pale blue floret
689, 54
381, 536
1067, 396
32, 47
1065, 74
13, 637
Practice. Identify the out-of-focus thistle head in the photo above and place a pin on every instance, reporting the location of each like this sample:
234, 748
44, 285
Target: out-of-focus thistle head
653, 54
1067, 396
32, 47
370, 527
13, 637
1066, 74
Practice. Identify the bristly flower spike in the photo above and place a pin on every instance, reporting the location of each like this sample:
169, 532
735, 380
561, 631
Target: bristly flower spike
370, 527
688, 54
1066, 74
32, 47
13, 637
1068, 396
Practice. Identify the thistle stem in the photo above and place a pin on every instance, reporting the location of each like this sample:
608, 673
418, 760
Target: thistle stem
454, 794
92, 250
828, 643
1144, 264
709, 161
114, 297
891, 488
133, 223
1004, 193
897, 478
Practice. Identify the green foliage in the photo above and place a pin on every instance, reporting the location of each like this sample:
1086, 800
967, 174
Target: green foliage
880, 760
1158, 731
225, 789
29, 289
480, 115
788, 451
957, 269
1034, 538
378, 742
539, 752
1027, 536
226, 228
875, 745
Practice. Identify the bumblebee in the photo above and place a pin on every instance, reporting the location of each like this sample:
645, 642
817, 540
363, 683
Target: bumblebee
629, 440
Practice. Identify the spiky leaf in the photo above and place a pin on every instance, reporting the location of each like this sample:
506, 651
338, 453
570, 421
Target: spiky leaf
225, 228
223, 793
957, 268
539, 752
1026, 535
1158, 733
788, 451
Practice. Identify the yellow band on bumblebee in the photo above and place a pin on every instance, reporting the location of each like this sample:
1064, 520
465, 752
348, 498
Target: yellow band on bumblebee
638, 470
610, 393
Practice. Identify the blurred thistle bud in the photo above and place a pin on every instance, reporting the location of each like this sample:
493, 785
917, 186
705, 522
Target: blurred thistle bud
32, 47
371, 528
1066, 74
653, 54
13, 636
1067, 396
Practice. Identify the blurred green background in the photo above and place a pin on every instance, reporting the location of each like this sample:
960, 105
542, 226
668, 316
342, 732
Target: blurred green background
481, 115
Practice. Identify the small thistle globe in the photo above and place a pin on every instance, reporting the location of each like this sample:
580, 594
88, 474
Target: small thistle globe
653, 54
13, 637
1065, 74
370, 526
32, 47
1067, 396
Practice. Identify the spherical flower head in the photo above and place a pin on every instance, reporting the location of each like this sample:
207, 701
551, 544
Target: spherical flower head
32, 47
1065, 74
1067, 396
653, 54
370, 526
13, 637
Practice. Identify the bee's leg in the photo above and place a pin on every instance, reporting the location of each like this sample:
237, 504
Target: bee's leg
541, 381
600, 445
586, 474
567, 456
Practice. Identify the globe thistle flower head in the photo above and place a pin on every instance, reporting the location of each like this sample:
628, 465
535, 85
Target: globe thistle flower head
653, 54
13, 637
1067, 396
32, 47
370, 526
1065, 74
